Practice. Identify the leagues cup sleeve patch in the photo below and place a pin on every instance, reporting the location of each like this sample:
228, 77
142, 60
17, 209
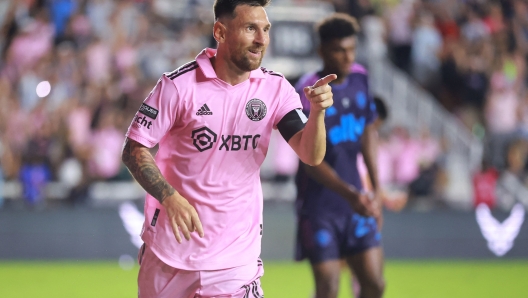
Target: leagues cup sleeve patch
256, 109
148, 111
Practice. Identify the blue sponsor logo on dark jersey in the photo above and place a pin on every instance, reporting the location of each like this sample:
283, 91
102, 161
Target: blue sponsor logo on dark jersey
331, 111
350, 129
361, 99
362, 227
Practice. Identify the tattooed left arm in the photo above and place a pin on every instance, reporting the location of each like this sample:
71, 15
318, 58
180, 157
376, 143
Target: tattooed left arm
143, 168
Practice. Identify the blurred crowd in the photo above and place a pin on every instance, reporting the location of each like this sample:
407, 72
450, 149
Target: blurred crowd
102, 57
472, 56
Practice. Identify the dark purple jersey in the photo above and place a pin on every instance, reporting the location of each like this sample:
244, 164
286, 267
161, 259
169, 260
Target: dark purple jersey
345, 122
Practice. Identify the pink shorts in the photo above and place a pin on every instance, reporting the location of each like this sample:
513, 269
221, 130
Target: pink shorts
158, 280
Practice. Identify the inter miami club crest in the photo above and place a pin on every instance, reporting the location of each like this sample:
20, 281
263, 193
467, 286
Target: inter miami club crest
256, 109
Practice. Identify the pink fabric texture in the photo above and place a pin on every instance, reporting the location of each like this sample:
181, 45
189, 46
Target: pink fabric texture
213, 138
157, 279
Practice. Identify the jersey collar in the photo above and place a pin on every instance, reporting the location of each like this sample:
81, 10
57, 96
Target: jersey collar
203, 60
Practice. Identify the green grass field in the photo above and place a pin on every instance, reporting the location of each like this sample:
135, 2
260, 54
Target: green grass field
405, 279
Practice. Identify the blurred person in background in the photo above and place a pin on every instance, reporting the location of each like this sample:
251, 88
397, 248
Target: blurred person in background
405, 155
399, 22
416, 164
36, 170
13, 130
512, 182
519, 22
375, 35
474, 65
426, 46
393, 198
474, 29
523, 117
503, 99
429, 185
106, 144
60, 13
450, 77
503, 103
495, 20
336, 218
516, 156
484, 185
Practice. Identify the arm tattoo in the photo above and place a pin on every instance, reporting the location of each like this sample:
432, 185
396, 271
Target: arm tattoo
142, 166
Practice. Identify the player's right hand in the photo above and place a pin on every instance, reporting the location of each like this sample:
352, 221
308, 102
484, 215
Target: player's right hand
364, 204
182, 216
320, 94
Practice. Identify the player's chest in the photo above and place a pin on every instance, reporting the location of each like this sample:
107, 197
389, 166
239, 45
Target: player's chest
346, 120
239, 117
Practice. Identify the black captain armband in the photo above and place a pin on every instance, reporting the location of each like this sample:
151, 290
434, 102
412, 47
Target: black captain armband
291, 123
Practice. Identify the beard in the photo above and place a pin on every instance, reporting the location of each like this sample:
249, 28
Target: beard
244, 63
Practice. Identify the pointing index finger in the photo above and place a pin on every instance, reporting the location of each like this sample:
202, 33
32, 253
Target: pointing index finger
329, 78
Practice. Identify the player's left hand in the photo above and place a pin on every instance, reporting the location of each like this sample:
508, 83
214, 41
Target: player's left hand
182, 216
320, 94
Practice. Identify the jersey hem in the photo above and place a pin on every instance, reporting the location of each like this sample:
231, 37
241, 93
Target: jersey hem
195, 266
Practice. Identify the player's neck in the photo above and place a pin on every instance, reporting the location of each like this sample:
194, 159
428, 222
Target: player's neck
228, 72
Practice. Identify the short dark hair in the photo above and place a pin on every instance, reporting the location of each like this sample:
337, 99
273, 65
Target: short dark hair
223, 8
338, 25
381, 108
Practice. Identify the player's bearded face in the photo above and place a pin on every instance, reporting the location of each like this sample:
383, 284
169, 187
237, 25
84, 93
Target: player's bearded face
249, 37
248, 58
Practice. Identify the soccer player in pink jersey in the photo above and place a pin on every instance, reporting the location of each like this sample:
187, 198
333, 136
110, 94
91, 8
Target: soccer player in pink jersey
213, 119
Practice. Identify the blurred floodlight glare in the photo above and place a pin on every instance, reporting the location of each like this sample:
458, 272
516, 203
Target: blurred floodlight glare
43, 89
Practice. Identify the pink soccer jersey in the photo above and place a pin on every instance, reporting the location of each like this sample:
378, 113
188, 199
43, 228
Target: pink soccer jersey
212, 138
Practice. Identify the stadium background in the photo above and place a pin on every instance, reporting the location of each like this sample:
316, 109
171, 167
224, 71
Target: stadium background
453, 73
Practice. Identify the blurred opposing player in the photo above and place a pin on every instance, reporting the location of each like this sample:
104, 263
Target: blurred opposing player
212, 119
336, 219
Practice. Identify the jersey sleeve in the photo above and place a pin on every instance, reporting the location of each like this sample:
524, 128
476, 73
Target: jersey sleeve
289, 101
156, 115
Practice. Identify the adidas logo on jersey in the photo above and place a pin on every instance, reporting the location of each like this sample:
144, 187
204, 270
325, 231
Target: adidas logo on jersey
204, 110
